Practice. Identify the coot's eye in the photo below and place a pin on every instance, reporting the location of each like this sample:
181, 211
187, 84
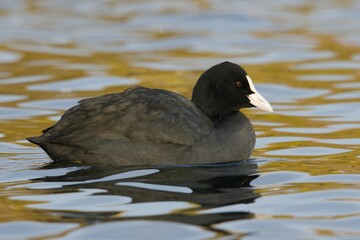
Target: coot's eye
238, 84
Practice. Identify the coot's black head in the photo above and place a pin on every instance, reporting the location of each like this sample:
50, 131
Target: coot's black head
226, 88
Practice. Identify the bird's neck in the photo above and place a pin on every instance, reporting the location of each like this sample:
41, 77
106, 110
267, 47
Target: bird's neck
206, 97
213, 109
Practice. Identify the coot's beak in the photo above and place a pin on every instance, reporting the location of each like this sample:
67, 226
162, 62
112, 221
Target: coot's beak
256, 99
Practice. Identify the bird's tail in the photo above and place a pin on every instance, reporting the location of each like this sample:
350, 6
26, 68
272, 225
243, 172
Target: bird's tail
36, 140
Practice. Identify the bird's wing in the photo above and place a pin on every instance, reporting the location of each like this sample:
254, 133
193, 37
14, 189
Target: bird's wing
138, 114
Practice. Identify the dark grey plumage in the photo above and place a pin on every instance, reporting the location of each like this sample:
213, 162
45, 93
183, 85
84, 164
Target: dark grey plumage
147, 126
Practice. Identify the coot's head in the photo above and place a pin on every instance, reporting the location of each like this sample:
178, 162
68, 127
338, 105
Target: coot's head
226, 88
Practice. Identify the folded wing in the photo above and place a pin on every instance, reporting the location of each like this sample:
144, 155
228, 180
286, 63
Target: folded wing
137, 115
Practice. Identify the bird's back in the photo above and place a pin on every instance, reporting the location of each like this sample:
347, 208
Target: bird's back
132, 127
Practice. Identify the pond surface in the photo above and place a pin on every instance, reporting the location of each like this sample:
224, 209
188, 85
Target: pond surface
303, 180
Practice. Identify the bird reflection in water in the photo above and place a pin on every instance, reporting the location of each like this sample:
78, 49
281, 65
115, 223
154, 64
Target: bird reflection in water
206, 186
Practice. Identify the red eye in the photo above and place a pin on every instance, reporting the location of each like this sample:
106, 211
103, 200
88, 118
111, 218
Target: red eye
238, 84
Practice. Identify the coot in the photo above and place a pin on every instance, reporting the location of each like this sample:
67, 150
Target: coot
143, 126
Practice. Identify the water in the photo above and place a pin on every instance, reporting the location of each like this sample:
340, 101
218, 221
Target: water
303, 179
